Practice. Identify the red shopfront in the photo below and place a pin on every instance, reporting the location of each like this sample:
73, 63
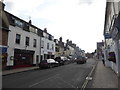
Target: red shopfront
23, 58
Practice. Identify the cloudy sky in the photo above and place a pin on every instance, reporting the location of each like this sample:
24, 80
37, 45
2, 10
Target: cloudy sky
81, 21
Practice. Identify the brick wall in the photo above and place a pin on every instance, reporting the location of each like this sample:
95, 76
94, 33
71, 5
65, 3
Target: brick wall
3, 37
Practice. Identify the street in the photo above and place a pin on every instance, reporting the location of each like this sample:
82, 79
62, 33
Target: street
67, 76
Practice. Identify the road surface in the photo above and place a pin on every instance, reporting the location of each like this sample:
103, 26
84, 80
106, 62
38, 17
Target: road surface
67, 76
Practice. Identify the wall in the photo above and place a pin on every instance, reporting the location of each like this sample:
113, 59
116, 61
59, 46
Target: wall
12, 45
4, 37
44, 50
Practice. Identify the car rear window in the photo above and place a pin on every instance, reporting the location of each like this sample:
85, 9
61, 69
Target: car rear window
57, 58
44, 61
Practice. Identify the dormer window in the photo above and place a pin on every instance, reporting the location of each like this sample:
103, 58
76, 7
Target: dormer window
18, 23
32, 29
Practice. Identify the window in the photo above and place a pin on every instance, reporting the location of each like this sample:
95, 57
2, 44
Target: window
27, 41
57, 49
18, 38
42, 44
52, 46
32, 29
34, 42
47, 45
19, 23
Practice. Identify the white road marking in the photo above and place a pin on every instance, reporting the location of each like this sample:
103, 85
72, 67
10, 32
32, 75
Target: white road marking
42, 81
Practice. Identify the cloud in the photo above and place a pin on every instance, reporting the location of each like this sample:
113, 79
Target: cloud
81, 23
9, 5
23, 5
86, 1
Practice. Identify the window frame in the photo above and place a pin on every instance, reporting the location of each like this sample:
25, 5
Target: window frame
27, 41
17, 41
48, 46
34, 42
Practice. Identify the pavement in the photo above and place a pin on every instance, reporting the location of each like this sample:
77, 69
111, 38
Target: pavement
13, 71
103, 77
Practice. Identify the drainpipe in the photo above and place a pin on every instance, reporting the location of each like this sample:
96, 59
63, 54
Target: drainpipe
40, 50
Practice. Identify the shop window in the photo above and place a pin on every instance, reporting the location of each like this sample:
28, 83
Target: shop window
27, 41
18, 36
112, 57
34, 43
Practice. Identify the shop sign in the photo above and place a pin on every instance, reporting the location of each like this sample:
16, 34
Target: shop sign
114, 33
3, 49
107, 36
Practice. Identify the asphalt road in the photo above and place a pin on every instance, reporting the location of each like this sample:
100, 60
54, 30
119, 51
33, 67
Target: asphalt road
67, 76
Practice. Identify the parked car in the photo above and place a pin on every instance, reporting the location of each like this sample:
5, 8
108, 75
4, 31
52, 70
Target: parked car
59, 60
81, 60
62, 60
48, 63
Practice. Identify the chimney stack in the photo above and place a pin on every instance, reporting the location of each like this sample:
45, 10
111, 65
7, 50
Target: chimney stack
45, 30
30, 22
67, 41
2, 5
60, 39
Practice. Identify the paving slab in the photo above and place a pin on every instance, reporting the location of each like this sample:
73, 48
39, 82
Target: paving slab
104, 77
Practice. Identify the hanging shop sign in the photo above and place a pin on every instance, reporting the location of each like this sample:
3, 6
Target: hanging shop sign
3, 49
114, 33
107, 36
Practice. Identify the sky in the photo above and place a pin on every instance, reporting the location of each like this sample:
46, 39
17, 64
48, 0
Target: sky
81, 21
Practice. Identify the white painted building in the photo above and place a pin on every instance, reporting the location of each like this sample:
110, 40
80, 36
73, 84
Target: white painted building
47, 46
111, 33
23, 43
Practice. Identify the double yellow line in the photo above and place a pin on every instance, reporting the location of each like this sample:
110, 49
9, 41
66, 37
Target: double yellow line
87, 80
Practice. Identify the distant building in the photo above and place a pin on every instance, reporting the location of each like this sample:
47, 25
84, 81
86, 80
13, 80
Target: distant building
99, 50
61, 47
56, 48
47, 46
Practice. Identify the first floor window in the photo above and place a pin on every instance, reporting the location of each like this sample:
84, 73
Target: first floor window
18, 36
34, 42
42, 44
52, 46
48, 46
27, 41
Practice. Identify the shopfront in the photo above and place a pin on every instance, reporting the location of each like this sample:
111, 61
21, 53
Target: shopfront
115, 33
4, 56
23, 58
